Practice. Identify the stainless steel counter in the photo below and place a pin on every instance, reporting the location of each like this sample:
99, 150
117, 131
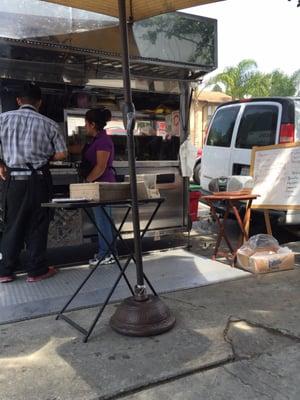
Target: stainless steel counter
169, 183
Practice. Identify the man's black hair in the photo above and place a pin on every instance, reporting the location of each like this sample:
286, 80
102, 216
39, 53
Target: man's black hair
30, 91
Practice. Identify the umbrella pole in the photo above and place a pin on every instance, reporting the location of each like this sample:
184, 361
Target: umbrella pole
129, 117
142, 314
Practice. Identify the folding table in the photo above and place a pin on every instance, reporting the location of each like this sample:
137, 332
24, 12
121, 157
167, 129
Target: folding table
231, 201
117, 233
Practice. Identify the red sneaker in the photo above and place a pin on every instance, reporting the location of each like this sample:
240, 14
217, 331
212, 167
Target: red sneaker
51, 272
6, 278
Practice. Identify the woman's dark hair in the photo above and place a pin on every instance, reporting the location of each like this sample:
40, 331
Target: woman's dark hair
100, 116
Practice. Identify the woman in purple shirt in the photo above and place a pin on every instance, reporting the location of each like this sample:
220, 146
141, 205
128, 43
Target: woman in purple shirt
99, 153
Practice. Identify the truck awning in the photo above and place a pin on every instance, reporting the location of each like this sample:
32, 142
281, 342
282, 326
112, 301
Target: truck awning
74, 46
136, 9
53, 62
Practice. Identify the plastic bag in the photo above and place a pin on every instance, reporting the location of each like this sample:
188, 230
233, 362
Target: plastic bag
261, 242
188, 154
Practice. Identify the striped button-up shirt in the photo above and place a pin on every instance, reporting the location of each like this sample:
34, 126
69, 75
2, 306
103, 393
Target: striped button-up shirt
28, 137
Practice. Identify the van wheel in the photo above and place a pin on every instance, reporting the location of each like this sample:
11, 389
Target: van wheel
196, 173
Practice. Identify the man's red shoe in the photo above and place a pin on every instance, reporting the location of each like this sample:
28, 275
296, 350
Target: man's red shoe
6, 278
51, 272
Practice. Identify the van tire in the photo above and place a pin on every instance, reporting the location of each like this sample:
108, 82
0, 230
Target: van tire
196, 173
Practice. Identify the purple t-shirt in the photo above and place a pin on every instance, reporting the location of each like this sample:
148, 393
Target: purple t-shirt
101, 142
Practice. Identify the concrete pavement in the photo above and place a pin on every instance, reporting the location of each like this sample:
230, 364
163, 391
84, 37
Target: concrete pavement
236, 340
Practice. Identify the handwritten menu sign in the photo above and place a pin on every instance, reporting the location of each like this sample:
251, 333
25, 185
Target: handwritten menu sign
276, 174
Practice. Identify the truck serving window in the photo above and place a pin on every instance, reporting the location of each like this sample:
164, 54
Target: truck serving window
221, 129
258, 126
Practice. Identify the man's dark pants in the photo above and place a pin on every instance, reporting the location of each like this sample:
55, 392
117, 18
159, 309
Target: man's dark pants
26, 221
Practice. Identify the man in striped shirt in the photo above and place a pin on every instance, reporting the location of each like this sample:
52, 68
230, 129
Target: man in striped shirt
28, 140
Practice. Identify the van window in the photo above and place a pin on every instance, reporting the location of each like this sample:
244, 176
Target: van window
221, 129
258, 126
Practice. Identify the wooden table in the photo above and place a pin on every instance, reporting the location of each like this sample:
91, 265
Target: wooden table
232, 202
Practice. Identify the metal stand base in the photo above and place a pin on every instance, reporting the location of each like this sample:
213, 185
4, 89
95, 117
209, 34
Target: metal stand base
142, 316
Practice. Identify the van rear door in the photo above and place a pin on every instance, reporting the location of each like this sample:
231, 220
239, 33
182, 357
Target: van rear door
259, 125
216, 154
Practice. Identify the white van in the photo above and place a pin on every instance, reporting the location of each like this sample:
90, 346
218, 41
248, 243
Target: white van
238, 126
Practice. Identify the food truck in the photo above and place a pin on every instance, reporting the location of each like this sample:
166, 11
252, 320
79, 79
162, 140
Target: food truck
74, 55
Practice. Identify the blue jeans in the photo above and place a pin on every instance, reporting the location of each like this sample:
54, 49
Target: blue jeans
105, 227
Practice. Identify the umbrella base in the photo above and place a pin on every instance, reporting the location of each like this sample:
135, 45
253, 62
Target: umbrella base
147, 317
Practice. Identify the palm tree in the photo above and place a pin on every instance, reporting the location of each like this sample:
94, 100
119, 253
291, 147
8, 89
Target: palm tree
245, 80
237, 80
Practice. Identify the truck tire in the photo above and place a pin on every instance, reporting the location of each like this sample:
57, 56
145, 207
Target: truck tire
196, 173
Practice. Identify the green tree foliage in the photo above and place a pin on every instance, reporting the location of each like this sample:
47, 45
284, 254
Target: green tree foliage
281, 84
245, 80
296, 79
235, 80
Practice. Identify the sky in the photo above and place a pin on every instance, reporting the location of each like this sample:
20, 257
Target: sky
266, 31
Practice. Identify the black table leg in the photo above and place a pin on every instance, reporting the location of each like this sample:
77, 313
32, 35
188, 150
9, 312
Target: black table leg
110, 245
88, 332
77, 291
143, 232
59, 315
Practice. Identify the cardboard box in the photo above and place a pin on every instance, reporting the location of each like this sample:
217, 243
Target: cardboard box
99, 191
107, 191
264, 262
114, 191
89, 191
